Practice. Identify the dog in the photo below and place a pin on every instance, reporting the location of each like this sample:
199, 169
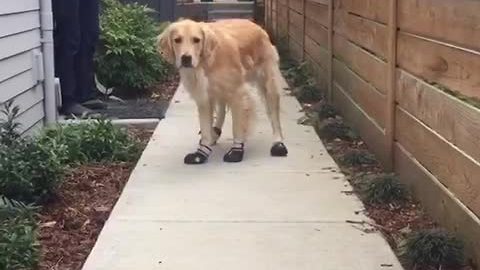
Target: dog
216, 62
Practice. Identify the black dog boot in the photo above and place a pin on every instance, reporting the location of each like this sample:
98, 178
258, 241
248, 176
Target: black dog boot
198, 157
278, 150
235, 154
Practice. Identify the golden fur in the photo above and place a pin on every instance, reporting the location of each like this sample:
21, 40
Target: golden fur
225, 56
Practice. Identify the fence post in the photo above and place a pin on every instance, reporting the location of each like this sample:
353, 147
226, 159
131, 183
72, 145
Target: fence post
303, 29
331, 6
288, 25
392, 83
277, 13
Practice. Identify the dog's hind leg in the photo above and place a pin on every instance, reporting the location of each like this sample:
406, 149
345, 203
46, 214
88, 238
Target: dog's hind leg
270, 82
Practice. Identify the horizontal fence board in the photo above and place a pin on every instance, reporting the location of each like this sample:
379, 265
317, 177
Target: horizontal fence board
282, 12
365, 33
296, 34
454, 169
296, 50
457, 122
318, 54
452, 21
296, 19
438, 201
317, 32
376, 10
369, 99
296, 5
455, 69
317, 12
358, 119
319, 73
371, 68
283, 2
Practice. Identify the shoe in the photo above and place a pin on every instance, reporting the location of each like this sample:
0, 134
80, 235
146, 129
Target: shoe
95, 104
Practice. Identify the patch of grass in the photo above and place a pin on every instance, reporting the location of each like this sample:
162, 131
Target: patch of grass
432, 248
18, 237
356, 157
385, 189
333, 128
93, 141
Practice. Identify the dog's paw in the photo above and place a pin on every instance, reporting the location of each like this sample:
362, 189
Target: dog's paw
234, 155
195, 158
279, 150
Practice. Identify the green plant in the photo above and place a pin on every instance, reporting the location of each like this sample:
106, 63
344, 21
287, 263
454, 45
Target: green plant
334, 128
127, 56
29, 171
356, 157
385, 189
434, 248
92, 141
8, 127
324, 110
18, 238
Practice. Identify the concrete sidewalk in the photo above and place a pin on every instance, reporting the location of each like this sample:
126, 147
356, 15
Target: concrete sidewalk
262, 214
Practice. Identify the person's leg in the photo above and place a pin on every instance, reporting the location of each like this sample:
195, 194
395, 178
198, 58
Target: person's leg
67, 39
90, 30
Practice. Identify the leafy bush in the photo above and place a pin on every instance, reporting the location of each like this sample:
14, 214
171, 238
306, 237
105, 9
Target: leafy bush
127, 57
355, 157
385, 189
18, 237
334, 128
28, 171
432, 249
92, 141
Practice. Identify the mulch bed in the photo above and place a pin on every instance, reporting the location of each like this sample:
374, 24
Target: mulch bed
395, 221
150, 103
70, 225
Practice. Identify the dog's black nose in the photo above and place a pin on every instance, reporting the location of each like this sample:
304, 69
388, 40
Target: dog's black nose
186, 61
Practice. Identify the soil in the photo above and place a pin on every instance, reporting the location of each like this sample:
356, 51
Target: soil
135, 104
70, 225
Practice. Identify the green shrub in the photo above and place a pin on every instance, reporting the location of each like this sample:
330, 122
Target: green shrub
29, 171
355, 157
18, 238
92, 141
127, 56
333, 128
432, 249
385, 189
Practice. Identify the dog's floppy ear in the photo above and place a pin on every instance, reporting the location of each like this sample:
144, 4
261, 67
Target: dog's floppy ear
210, 43
164, 45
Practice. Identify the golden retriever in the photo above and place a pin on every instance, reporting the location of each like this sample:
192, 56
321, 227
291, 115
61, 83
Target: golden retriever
216, 62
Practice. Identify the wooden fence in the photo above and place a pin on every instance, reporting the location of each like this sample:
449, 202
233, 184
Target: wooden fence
390, 67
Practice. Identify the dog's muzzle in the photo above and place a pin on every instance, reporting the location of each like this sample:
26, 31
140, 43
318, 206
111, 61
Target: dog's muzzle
186, 61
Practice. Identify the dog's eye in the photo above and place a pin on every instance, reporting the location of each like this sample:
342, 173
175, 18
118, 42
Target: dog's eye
196, 40
178, 40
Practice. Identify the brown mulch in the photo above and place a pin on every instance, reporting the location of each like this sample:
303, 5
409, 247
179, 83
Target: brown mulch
70, 225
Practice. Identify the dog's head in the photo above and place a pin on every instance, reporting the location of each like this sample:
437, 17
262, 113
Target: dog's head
187, 43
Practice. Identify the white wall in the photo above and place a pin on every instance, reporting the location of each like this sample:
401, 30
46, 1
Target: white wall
20, 73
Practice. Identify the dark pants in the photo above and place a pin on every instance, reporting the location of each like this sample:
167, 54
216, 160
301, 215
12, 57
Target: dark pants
76, 36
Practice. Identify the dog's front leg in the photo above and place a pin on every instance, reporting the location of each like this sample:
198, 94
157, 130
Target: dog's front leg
205, 114
242, 117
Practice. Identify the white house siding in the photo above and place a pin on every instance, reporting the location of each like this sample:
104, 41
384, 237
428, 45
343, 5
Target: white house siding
19, 72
